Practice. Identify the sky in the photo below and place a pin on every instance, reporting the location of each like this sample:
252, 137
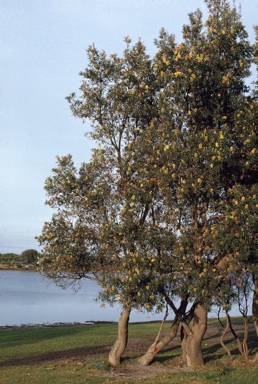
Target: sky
42, 51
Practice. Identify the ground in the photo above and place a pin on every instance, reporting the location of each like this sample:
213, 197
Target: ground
135, 348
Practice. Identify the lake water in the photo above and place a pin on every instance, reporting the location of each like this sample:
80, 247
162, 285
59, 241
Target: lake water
28, 298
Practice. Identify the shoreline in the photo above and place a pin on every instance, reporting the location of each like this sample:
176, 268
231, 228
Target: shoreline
52, 325
69, 324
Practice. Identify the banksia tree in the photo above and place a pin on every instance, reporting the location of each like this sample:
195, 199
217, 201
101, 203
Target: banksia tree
166, 208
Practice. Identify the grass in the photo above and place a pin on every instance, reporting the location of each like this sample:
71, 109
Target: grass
57, 355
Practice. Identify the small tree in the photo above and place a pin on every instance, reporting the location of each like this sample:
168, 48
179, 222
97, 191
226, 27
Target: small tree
30, 255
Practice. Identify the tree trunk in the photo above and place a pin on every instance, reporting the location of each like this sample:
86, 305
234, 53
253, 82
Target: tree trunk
195, 336
223, 335
246, 330
184, 332
255, 309
122, 337
255, 304
240, 347
183, 336
148, 357
158, 345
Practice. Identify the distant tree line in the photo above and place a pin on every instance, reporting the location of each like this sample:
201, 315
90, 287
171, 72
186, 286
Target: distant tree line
26, 260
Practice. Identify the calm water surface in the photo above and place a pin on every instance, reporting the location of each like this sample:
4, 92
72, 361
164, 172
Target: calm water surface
28, 298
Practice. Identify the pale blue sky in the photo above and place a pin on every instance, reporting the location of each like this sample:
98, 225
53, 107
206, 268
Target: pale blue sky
42, 50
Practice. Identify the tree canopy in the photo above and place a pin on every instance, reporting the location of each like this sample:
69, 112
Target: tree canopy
166, 208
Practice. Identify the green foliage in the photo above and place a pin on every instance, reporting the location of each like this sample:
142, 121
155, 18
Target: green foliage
10, 260
167, 206
30, 255
26, 260
9, 256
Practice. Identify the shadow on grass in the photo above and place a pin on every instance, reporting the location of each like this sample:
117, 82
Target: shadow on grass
75, 354
22, 336
213, 351
136, 347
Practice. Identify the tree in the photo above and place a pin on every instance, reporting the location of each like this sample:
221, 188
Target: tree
152, 217
105, 225
30, 255
207, 115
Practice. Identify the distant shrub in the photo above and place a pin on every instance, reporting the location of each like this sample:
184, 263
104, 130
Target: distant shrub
30, 255
9, 256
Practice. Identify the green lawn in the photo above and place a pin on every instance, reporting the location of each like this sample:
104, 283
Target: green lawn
57, 355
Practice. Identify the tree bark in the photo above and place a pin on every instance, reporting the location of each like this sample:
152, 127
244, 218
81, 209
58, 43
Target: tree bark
158, 345
240, 347
255, 309
122, 337
246, 330
223, 335
255, 303
195, 336
148, 357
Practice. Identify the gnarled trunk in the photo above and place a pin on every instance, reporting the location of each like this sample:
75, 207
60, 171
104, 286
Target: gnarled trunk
148, 357
223, 335
122, 337
255, 303
183, 337
255, 308
158, 345
193, 347
184, 334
